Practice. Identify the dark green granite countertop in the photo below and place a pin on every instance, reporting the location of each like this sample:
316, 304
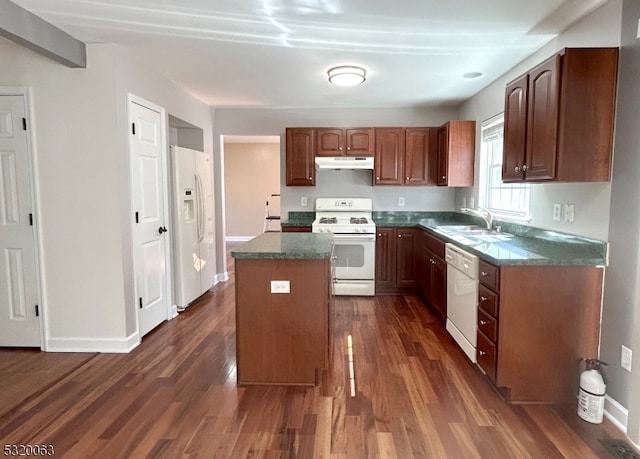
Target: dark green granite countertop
518, 244
306, 246
298, 219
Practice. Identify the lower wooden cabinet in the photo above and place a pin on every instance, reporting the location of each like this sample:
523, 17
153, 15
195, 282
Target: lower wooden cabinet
296, 229
433, 273
534, 324
395, 259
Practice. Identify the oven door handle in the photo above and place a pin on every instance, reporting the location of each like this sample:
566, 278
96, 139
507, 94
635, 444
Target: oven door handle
354, 237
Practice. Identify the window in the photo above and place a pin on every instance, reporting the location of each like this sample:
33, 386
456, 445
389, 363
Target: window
502, 199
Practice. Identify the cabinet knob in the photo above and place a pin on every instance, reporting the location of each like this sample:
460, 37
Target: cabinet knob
340, 148
484, 273
524, 167
482, 352
483, 322
407, 177
349, 148
377, 178
516, 169
310, 178
399, 235
483, 298
444, 177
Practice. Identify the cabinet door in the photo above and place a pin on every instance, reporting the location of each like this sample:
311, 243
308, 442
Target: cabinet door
385, 259
389, 157
542, 120
439, 286
330, 142
300, 157
443, 154
515, 130
420, 149
360, 142
406, 259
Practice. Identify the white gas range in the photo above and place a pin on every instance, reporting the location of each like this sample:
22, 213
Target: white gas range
354, 233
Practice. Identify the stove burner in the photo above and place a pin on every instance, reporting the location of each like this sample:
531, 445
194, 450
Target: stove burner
329, 220
358, 220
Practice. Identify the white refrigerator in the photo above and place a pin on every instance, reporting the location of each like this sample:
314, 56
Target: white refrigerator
193, 237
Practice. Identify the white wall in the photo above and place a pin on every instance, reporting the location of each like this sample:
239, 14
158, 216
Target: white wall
600, 29
82, 180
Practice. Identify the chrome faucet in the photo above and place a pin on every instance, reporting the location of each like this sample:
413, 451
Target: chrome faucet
481, 212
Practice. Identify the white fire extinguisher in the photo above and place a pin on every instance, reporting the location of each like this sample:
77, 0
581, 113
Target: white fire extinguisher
591, 393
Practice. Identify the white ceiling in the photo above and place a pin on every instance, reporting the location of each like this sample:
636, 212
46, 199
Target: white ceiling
275, 53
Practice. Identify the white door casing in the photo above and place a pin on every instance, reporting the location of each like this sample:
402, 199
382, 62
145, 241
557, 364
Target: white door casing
19, 288
148, 195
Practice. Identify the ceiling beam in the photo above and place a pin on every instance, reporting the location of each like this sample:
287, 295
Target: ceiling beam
30, 31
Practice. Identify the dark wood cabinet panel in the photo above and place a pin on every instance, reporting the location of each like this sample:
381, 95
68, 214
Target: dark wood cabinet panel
515, 130
296, 229
534, 323
385, 258
456, 153
300, 157
405, 257
562, 112
360, 142
542, 120
396, 260
345, 142
389, 157
329, 142
421, 153
433, 273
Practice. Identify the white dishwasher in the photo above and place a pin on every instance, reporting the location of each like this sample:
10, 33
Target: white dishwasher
462, 298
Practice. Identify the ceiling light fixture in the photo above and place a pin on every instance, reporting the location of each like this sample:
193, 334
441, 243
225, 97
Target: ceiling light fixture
347, 75
472, 75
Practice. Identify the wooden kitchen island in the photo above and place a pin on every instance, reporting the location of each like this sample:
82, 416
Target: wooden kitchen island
283, 308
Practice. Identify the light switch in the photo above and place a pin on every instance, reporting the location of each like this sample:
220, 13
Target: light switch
557, 212
303, 201
401, 201
280, 286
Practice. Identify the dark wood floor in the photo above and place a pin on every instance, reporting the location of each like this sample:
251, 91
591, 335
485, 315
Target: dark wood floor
175, 396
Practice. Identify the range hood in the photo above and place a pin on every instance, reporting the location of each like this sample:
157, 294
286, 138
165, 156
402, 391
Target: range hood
344, 162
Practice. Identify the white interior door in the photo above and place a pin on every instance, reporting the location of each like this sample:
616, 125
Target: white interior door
148, 186
19, 324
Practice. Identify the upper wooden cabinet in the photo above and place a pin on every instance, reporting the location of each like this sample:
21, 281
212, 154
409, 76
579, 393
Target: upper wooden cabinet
300, 157
456, 153
405, 156
559, 118
345, 142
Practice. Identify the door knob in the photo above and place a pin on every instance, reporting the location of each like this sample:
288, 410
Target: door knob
162, 229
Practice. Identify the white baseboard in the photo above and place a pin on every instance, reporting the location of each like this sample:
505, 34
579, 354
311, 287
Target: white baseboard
222, 277
174, 312
616, 413
103, 345
238, 238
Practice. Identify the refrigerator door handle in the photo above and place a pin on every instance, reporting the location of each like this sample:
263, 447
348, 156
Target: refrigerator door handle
200, 215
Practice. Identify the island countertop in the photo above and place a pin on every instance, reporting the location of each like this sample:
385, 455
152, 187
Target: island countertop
306, 246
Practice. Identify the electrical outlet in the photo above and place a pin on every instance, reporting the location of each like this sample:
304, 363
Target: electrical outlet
401, 201
303, 201
557, 212
569, 212
625, 357
280, 286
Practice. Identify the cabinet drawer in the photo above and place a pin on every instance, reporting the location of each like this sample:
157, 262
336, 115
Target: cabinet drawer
488, 300
487, 325
489, 275
487, 356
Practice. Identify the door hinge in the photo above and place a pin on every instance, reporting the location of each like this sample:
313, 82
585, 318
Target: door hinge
133, 128
140, 302
137, 218
30, 219
37, 311
24, 124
